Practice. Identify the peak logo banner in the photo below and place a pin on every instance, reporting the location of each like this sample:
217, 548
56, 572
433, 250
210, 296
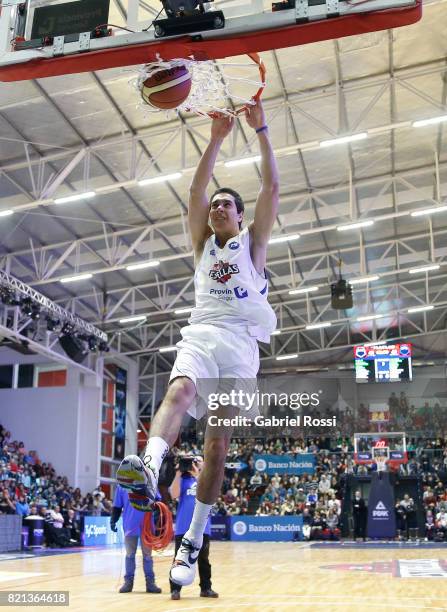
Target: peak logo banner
381, 515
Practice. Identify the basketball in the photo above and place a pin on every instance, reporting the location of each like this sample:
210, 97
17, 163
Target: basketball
167, 89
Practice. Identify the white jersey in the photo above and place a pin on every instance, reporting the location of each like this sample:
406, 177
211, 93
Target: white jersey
229, 291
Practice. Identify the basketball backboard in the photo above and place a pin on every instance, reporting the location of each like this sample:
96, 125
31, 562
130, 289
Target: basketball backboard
369, 447
225, 29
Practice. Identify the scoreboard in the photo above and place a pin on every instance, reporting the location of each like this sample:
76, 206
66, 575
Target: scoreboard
383, 363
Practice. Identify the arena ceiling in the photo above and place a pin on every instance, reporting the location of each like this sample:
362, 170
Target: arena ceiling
65, 135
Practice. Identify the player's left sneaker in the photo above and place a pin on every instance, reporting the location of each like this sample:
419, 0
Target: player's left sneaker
141, 481
183, 569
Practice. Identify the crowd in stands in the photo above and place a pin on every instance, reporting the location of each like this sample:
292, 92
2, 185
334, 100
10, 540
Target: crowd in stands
427, 416
435, 497
32, 488
318, 497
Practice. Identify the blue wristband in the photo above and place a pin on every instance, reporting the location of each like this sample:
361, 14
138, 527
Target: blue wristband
261, 129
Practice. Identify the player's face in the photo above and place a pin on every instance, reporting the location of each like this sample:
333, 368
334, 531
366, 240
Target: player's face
223, 211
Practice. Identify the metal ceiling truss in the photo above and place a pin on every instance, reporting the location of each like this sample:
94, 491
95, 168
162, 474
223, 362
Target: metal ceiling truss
151, 387
32, 336
43, 180
110, 251
388, 258
392, 301
38, 341
322, 343
50, 307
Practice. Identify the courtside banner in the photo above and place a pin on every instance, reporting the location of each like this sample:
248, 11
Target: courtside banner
271, 528
285, 464
220, 527
97, 532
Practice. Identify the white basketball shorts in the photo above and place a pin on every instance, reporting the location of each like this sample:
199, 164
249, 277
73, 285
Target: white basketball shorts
216, 360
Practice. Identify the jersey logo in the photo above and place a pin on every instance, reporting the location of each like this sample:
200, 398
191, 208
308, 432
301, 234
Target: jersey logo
223, 271
192, 489
233, 246
240, 293
213, 252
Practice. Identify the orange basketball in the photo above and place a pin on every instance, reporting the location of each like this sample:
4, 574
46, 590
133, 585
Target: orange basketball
168, 88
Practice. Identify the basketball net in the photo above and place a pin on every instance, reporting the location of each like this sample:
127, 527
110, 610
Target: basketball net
381, 464
212, 89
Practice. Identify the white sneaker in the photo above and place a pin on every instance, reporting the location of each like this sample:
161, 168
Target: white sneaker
141, 480
183, 569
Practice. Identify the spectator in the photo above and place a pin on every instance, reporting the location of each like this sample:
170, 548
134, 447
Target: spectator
300, 496
6, 505
401, 519
307, 523
256, 479
318, 527
430, 526
332, 524
57, 518
97, 507
325, 484
410, 512
264, 509
287, 508
312, 498
441, 523
359, 513
55, 535
33, 512
48, 527
22, 507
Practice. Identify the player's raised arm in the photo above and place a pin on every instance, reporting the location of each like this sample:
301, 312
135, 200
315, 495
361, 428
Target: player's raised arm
198, 210
268, 197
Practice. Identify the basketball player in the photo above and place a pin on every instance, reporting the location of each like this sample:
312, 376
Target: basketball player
231, 314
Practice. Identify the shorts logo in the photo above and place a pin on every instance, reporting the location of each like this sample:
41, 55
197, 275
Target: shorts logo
223, 271
233, 246
240, 293
213, 252
239, 528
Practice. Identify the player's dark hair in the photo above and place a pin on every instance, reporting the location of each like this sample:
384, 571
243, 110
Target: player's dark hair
240, 207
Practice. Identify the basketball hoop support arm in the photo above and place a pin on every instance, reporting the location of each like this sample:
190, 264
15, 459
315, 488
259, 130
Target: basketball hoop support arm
244, 32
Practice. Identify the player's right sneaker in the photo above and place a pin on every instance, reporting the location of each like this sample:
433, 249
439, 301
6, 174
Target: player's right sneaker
141, 480
183, 568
